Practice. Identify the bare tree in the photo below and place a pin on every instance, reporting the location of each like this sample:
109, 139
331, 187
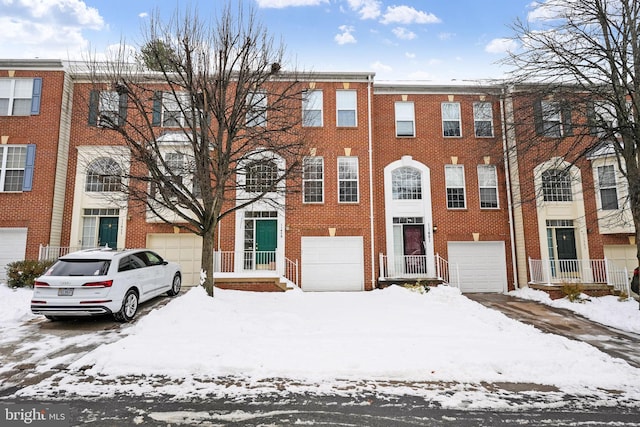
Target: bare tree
585, 54
211, 121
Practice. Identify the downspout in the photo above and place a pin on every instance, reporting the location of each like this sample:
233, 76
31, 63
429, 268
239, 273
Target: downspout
507, 174
371, 210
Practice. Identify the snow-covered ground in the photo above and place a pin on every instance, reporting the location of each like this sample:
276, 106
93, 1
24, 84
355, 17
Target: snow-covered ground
439, 345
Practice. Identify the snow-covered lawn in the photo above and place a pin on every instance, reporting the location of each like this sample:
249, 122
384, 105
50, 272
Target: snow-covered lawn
388, 341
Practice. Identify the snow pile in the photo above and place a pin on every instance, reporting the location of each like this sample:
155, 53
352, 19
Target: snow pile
15, 305
391, 334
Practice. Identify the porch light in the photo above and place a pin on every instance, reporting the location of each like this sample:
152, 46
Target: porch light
435, 228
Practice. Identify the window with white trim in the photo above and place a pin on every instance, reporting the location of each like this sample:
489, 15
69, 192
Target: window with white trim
312, 108
346, 107
16, 167
405, 119
175, 109
257, 108
108, 108
20, 97
451, 124
313, 179
608, 188
454, 177
406, 184
556, 186
488, 183
104, 175
483, 119
553, 118
261, 176
348, 180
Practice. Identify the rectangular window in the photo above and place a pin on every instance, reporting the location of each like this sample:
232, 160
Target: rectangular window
553, 118
488, 183
483, 119
451, 125
313, 180
346, 103
16, 167
312, 108
608, 189
20, 97
551, 122
175, 109
257, 109
348, 179
405, 119
108, 108
454, 176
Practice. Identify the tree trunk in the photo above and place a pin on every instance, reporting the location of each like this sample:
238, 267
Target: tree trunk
206, 264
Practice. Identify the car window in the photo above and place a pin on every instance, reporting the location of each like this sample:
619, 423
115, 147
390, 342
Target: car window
80, 267
125, 264
150, 258
137, 261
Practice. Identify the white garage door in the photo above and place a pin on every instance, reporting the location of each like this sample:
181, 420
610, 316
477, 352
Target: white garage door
13, 247
183, 248
332, 263
482, 265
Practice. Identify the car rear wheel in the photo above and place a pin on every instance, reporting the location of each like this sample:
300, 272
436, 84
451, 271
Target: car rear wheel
129, 307
175, 285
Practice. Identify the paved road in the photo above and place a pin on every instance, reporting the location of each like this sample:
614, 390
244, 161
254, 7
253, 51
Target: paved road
623, 345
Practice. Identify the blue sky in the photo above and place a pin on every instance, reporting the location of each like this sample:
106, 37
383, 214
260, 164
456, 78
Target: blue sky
428, 40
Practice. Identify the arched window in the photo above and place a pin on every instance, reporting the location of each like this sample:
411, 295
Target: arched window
406, 183
261, 176
556, 186
104, 174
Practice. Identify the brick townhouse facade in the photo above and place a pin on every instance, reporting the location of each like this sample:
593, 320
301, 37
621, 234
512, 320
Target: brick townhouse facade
401, 183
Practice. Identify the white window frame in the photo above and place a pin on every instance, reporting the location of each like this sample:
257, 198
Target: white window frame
405, 113
317, 177
257, 109
13, 90
449, 116
180, 106
348, 172
98, 178
488, 182
409, 179
453, 173
312, 108
604, 185
346, 101
482, 113
551, 119
4, 165
108, 108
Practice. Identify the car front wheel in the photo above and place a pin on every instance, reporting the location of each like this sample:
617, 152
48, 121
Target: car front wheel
129, 307
175, 285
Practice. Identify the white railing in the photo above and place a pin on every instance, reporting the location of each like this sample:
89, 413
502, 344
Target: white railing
52, 253
291, 271
584, 271
417, 267
252, 261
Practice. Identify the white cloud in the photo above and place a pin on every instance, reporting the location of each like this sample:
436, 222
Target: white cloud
548, 10
410, 55
143, 15
346, 35
408, 15
420, 75
446, 36
379, 66
280, 4
403, 34
501, 45
367, 9
47, 28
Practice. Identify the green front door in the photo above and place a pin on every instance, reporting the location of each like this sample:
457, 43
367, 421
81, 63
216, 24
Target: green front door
266, 241
108, 231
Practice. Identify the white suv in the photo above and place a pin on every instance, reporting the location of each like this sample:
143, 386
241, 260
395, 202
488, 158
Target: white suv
104, 281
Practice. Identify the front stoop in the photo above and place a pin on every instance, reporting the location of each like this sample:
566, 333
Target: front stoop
390, 281
591, 289
254, 284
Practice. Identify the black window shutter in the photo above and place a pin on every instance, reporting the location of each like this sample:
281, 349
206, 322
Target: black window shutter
567, 124
537, 117
94, 98
122, 109
157, 109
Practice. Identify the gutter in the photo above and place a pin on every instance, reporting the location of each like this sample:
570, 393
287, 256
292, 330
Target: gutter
371, 210
507, 174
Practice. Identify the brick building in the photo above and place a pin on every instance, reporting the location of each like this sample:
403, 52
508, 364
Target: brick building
400, 183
